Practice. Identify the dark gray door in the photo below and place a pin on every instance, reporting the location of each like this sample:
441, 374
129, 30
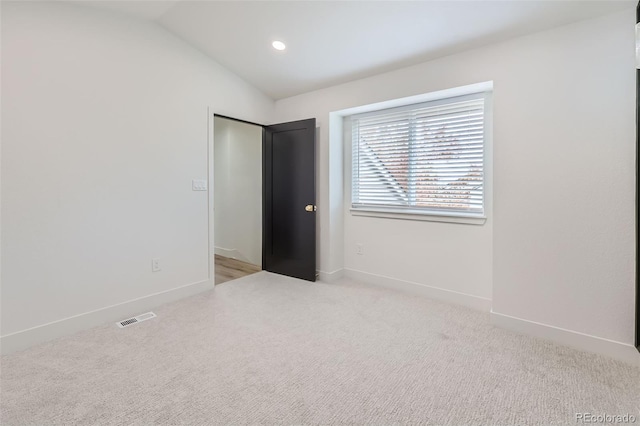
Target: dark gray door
290, 199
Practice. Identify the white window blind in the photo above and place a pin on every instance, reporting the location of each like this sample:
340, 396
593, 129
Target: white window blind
423, 158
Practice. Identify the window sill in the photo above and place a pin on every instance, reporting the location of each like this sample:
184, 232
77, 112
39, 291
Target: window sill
418, 215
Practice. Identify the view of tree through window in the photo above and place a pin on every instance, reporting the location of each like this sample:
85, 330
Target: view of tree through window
426, 157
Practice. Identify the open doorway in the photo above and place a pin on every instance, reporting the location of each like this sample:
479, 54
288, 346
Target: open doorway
238, 160
262, 207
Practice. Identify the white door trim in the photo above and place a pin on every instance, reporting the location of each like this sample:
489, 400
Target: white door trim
210, 206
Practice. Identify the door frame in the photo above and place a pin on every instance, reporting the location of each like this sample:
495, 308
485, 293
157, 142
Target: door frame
211, 115
210, 222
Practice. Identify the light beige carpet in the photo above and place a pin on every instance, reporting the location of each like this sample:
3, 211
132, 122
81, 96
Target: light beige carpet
268, 349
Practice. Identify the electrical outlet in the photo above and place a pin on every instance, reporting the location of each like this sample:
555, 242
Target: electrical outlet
155, 265
359, 249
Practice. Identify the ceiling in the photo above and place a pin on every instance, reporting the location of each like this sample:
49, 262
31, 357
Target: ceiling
332, 42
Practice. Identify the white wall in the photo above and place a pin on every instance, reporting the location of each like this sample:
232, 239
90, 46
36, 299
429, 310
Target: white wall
238, 190
558, 248
105, 126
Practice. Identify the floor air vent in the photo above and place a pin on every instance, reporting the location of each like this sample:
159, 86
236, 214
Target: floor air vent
135, 320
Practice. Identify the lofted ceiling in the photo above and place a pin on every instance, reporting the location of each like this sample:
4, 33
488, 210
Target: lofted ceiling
332, 42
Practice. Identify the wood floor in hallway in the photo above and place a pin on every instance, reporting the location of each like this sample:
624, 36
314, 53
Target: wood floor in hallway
228, 269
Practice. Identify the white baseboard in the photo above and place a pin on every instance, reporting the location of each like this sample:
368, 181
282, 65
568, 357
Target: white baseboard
621, 351
230, 253
468, 300
235, 254
330, 277
26, 338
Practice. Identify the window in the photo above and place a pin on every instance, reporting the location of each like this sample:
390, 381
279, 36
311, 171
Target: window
425, 158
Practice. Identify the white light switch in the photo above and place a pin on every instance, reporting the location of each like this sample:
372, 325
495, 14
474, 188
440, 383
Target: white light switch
199, 185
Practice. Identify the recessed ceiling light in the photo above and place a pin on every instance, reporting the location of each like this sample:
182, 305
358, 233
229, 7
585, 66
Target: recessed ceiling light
278, 45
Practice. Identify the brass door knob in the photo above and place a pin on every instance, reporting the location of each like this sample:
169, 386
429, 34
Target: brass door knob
310, 208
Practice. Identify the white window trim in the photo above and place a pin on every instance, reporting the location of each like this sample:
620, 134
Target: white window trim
430, 215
